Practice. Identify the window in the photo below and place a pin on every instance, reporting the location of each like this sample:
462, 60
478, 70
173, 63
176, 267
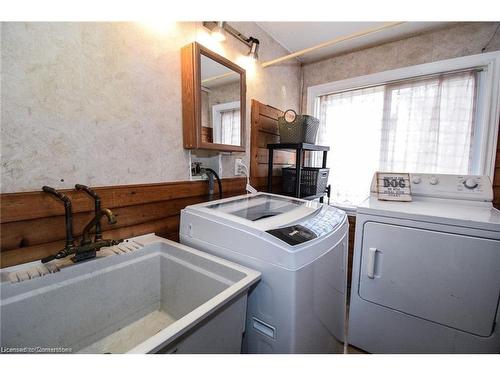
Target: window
433, 123
230, 130
424, 126
227, 123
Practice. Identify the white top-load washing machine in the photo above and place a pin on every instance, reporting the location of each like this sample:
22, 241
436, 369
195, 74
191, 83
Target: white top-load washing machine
426, 273
300, 247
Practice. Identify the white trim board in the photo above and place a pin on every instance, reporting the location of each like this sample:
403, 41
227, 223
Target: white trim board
488, 114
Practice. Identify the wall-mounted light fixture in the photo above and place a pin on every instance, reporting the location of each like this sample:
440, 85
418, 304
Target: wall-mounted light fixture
218, 32
254, 48
221, 28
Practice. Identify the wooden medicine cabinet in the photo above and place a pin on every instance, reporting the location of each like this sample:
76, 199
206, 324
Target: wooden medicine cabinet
213, 101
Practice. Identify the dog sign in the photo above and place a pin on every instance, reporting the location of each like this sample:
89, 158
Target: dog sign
393, 186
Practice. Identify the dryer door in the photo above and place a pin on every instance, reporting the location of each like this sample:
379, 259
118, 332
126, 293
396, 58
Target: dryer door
449, 279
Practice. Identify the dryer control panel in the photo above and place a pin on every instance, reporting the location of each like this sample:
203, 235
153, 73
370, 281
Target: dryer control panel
449, 186
465, 187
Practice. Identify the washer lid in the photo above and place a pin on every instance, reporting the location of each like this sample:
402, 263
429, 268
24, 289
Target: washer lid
320, 228
261, 211
478, 215
257, 207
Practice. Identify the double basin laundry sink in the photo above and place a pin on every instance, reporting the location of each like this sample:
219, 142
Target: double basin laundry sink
158, 296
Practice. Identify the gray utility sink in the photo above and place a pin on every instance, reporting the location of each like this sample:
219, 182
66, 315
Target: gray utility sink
155, 296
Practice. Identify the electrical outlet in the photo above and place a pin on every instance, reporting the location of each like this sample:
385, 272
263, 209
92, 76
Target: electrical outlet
238, 169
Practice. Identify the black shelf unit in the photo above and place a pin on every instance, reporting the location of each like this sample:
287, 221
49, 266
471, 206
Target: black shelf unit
299, 148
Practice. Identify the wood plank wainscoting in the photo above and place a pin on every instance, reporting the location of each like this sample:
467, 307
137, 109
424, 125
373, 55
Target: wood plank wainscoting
264, 130
32, 223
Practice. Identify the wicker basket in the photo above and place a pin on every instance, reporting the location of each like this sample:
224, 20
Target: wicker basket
313, 181
296, 128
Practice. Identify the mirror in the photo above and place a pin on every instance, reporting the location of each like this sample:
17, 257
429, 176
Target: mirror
213, 101
220, 103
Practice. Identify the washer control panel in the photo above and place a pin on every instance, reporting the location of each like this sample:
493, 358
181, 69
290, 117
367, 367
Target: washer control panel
321, 224
293, 235
468, 187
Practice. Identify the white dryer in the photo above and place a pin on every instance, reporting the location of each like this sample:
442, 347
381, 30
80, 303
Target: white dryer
300, 247
426, 273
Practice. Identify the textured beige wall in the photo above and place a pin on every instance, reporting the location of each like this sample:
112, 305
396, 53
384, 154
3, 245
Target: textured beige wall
100, 103
455, 41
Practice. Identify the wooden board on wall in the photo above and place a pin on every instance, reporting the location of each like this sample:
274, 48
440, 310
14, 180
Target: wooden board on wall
32, 224
207, 134
264, 130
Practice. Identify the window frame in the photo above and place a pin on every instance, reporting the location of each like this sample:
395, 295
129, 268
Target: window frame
488, 95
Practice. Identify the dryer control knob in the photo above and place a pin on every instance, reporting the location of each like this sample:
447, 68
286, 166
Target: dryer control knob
470, 183
433, 180
416, 180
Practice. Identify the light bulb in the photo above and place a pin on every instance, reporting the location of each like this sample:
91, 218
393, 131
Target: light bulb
218, 33
249, 64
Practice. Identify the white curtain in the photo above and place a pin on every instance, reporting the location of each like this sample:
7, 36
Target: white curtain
230, 129
427, 125
415, 126
350, 123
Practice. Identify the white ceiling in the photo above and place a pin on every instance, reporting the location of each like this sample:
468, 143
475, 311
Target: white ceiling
295, 36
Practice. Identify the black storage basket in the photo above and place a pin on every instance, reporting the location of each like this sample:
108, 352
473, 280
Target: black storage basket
313, 181
302, 129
